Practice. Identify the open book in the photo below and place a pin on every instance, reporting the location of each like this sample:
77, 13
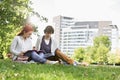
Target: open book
40, 51
27, 55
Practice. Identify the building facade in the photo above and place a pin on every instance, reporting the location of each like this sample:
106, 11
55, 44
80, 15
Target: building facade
71, 34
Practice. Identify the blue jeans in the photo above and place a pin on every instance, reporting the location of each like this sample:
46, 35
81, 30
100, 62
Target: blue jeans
36, 57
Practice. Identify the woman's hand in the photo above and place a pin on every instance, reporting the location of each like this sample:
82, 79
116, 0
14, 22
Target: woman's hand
22, 53
21, 57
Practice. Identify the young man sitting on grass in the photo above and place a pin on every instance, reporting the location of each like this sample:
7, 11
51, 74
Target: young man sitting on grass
50, 48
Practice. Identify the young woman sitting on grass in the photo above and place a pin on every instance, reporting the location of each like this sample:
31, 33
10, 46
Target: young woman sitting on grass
22, 45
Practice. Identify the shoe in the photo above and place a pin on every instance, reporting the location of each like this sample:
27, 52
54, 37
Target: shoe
65, 63
52, 62
75, 63
78, 63
31, 61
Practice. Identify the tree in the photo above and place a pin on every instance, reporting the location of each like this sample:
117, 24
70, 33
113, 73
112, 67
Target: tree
96, 53
102, 52
104, 40
79, 54
13, 14
89, 55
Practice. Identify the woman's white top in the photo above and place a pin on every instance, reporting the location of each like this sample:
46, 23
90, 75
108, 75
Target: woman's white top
19, 44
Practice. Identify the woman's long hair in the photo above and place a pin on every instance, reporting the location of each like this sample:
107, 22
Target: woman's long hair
26, 28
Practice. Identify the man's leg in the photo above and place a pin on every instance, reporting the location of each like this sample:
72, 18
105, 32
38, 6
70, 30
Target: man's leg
53, 58
64, 57
38, 57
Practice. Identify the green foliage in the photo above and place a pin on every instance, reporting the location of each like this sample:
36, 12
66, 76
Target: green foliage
13, 14
89, 55
102, 51
6, 35
113, 58
17, 71
79, 53
102, 45
102, 40
94, 54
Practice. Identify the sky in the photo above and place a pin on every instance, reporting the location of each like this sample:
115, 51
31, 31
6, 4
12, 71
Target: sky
81, 10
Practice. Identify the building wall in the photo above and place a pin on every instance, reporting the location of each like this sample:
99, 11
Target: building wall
72, 34
61, 22
104, 25
72, 38
57, 24
114, 39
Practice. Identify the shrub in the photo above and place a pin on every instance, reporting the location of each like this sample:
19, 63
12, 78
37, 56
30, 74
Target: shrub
113, 58
79, 54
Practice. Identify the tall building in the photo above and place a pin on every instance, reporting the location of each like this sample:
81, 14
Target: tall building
114, 38
61, 23
71, 34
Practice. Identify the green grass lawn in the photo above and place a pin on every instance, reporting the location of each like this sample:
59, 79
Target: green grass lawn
18, 71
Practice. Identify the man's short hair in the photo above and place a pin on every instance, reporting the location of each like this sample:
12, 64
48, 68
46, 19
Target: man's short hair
49, 29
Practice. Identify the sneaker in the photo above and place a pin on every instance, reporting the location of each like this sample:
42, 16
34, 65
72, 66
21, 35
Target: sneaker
52, 62
78, 63
31, 61
75, 63
64, 63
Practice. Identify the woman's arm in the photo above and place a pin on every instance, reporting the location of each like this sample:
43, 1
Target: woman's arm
13, 46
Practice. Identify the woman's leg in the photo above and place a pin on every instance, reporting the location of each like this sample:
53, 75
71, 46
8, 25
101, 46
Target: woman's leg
64, 57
